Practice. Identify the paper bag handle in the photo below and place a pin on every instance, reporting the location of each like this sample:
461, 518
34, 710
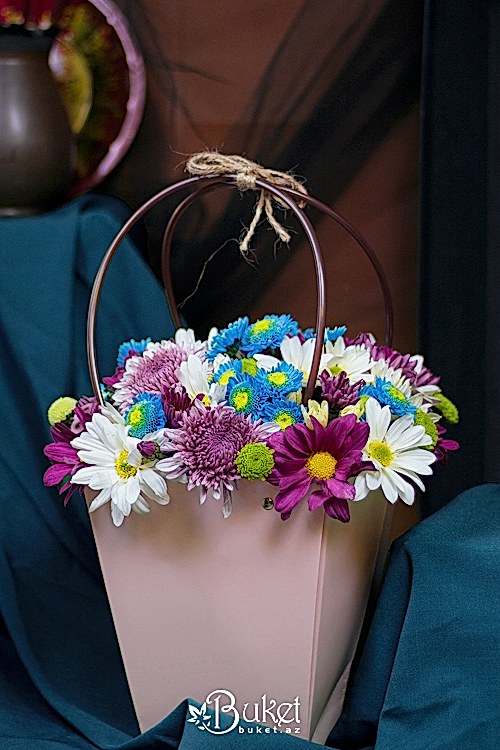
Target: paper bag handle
286, 196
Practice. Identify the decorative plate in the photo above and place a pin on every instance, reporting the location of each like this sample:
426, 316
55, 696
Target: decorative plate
100, 70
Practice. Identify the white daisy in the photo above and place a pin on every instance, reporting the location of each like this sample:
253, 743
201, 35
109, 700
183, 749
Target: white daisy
295, 353
115, 466
380, 369
396, 450
354, 360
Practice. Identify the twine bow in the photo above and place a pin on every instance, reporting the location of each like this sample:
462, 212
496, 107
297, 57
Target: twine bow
208, 163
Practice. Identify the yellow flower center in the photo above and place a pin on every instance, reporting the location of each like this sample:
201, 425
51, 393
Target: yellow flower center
134, 416
284, 420
336, 369
321, 465
261, 326
205, 400
240, 400
277, 378
380, 452
396, 393
123, 468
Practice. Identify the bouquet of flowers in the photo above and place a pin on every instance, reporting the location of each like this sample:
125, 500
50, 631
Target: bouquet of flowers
210, 413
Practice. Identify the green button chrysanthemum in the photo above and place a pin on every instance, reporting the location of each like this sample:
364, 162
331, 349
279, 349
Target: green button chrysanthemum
254, 461
446, 407
423, 419
61, 409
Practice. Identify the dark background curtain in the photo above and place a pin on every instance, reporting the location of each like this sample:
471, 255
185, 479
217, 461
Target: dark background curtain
459, 230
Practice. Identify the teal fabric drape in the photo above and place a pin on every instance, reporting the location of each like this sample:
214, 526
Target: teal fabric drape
57, 629
428, 675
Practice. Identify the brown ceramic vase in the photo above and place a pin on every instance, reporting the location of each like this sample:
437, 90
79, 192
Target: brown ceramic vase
37, 147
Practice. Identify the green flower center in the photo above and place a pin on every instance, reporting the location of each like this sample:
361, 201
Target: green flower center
254, 461
123, 468
135, 416
240, 400
284, 419
336, 370
380, 452
277, 378
396, 394
321, 465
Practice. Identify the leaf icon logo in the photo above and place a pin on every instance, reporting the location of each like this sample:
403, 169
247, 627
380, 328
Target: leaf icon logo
199, 716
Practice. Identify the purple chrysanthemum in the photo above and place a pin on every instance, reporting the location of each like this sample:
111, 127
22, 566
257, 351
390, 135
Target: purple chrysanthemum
325, 456
338, 391
151, 372
425, 377
205, 447
83, 413
175, 401
362, 339
411, 366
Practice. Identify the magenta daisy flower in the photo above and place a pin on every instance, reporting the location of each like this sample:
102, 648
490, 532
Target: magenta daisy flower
205, 447
151, 372
326, 457
62, 455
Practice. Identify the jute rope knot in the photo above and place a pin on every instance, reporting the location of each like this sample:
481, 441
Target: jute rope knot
208, 163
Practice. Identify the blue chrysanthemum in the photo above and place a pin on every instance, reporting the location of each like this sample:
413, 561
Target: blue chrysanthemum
331, 334
388, 395
228, 340
146, 415
282, 411
268, 333
283, 379
131, 346
228, 370
245, 395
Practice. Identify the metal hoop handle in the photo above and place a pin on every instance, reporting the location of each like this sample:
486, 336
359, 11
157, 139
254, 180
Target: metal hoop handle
202, 185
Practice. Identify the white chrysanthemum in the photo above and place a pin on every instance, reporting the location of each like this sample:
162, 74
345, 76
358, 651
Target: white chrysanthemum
396, 450
116, 468
316, 410
194, 376
354, 360
295, 353
185, 339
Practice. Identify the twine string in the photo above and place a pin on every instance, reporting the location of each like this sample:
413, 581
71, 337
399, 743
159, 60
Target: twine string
208, 163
